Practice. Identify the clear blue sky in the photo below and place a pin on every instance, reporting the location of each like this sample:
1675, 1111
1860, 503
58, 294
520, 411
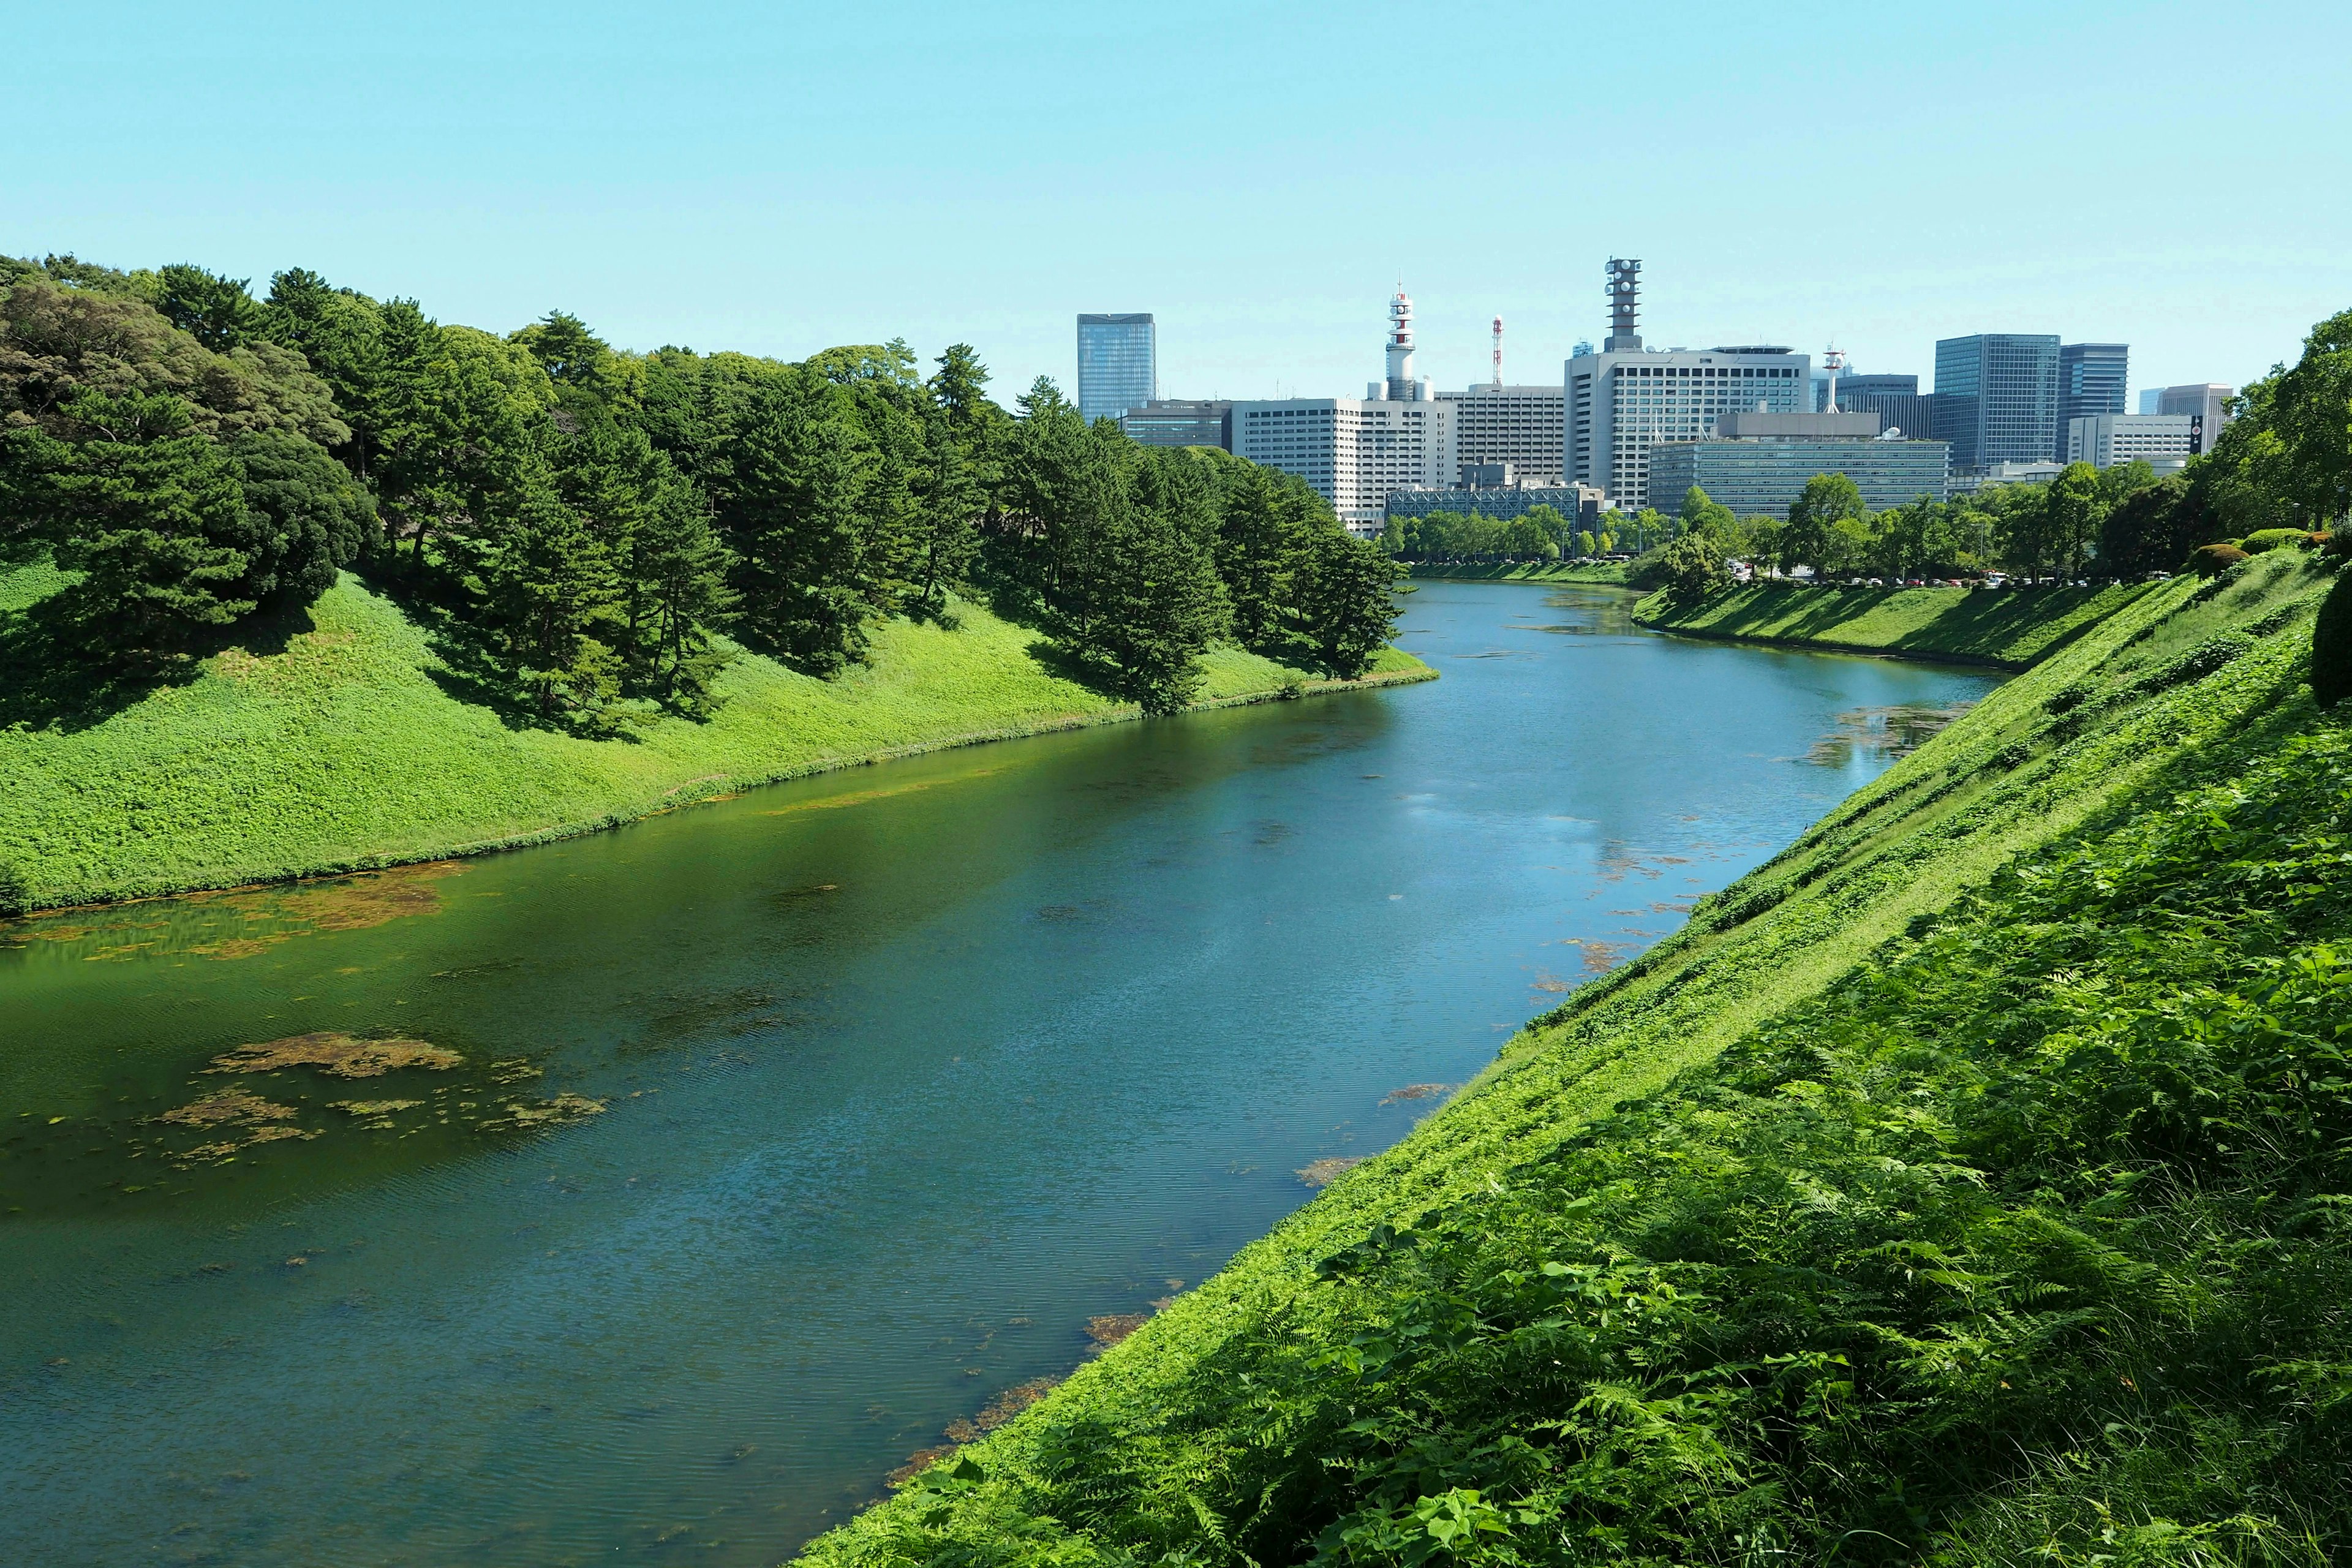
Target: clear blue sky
781, 177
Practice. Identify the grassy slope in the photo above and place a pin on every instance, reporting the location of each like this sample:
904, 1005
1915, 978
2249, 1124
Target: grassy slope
1610, 572
1178, 1440
2012, 627
343, 750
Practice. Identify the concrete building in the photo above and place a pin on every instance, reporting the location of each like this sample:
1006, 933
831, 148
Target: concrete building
1117, 363
1354, 451
2208, 402
1757, 463
1911, 413
2091, 380
1997, 398
1581, 504
2041, 471
1626, 399
2103, 440
1521, 425
1851, 385
1180, 422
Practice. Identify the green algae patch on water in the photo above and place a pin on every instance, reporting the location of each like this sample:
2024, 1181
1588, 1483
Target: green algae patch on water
344, 1055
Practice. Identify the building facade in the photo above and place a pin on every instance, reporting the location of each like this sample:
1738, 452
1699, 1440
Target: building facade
1911, 413
1997, 398
1851, 387
1619, 403
1117, 363
1180, 422
1353, 451
1521, 425
1757, 470
2103, 440
2092, 379
2207, 400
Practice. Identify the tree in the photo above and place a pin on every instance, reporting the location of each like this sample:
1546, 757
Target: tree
215, 310
1346, 602
951, 500
308, 518
148, 511
1692, 566
1261, 541
1153, 601
2152, 530
801, 471
1701, 512
1813, 537
564, 347
551, 591
2071, 512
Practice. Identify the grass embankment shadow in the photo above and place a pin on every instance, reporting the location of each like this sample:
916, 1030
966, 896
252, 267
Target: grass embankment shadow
59, 670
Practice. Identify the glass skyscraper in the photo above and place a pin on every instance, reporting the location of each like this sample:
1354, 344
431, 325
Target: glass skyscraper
1118, 366
2091, 378
1996, 397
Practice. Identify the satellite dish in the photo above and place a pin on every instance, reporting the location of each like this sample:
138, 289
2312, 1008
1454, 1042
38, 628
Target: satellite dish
1891, 433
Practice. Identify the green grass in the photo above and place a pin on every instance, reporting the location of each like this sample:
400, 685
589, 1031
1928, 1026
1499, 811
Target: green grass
2008, 627
1605, 572
342, 750
1911, 1204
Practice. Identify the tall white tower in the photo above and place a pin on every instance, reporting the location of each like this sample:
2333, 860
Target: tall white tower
1401, 387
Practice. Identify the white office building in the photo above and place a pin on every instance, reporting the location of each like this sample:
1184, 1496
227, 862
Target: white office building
2205, 402
1621, 401
1521, 425
2103, 440
1354, 451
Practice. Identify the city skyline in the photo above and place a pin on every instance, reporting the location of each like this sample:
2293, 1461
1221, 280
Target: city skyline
410, 153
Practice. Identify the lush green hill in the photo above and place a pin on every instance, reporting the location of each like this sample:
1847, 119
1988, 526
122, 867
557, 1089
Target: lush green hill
2008, 627
350, 745
1962, 1185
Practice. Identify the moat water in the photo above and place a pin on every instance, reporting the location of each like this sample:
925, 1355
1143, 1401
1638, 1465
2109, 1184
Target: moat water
905, 1075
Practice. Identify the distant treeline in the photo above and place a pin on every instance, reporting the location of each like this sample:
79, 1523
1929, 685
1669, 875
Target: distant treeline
589, 524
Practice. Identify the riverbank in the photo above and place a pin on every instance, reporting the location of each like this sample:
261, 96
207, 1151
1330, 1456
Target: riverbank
1870, 1204
2005, 629
351, 747
1606, 573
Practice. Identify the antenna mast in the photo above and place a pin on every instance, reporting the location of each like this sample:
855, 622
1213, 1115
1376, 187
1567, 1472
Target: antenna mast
1624, 293
1498, 354
1833, 360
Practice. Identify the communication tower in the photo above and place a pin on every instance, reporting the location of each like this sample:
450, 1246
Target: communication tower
1498, 354
1833, 360
1624, 298
1401, 387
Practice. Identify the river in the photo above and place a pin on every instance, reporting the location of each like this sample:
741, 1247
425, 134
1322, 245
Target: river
905, 1074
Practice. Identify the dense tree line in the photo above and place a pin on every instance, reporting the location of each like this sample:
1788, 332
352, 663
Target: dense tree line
598, 528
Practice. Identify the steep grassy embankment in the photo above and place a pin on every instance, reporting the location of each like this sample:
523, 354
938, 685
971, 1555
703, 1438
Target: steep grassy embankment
2009, 628
1965, 1184
347, 747
1607, 572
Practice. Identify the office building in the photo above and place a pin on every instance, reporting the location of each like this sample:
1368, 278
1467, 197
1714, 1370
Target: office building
1626, 399
2040, 472
2103, 440
1757, 463
2151, 400
1851, 385
1180, 422
1353, 451
1997, 398
1581, 504
1521, 425
2207, 402
2091, 380
1911, 413
1117, 363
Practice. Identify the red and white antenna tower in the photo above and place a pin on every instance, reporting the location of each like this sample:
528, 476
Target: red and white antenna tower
1498, 354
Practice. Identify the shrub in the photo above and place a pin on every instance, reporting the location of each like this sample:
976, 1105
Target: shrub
2331, 646
2198, 662
2336, 542
13, 893
2260, 540
2212, 560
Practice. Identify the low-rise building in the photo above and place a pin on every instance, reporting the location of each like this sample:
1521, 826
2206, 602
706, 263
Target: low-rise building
2103, 440
1582, 504
1757, 463
1522, 426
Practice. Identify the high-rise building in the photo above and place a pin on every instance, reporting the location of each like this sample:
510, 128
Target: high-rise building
1851, 385
1997, 398
1911, 413
2091, 380
2151, 400
1180, 422
1354, 451
1521, 425
2209, 401
2103, 440
1117, 363
1623, 401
